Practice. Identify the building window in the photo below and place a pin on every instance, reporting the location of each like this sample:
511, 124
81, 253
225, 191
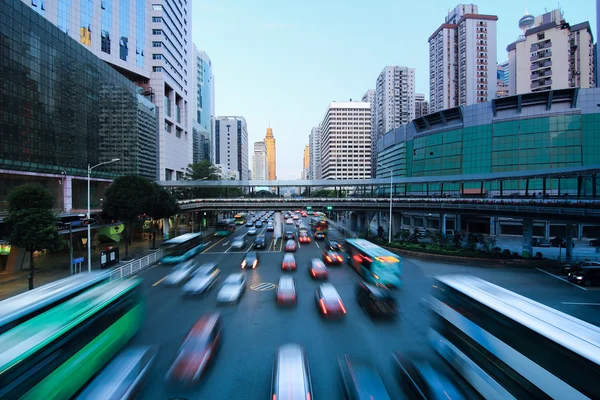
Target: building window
156, 44
156, 7
157, 69
156, 31
156, 19
157, 56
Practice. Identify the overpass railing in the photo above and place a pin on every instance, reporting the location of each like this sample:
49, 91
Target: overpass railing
135, 266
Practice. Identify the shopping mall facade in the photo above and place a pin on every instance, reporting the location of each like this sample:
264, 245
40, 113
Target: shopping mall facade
535, 131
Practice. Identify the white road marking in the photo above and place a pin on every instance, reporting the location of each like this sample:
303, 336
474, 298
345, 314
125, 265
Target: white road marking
317, 243
581, 304
562, 279
225, 244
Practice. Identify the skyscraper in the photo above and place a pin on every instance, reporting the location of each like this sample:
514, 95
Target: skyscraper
271, 155
502, 79
202, 96
306, 162
421, 105
394, 98
231, 144
346, 141
150, 47
315, 153
551, 54
259, 161
369, 97
462, 59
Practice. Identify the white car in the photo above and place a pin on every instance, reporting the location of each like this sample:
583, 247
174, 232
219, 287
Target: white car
238, 242
181, 273
233, 288
252, 231
203, 280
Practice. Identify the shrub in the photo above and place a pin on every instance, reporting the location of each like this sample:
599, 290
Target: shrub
496, 250
506, 252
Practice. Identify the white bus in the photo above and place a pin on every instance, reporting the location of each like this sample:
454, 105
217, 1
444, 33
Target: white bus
508, 346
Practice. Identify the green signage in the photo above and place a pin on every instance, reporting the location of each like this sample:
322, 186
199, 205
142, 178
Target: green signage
330, 207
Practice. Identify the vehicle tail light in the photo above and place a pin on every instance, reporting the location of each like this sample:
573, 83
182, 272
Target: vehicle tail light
339, 258
312, 271
328, 258
243, 263
323, 308
254, 263
282, 265
342, 306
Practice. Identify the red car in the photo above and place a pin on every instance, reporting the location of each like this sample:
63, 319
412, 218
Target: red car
304, 238
197, 350
329, 302
289, 262
317, 269
290, 246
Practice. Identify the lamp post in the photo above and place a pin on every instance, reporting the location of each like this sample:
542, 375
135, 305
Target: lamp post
89, 227
391, 189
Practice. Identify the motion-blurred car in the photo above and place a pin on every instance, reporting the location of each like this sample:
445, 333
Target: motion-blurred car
259, 242
232, 289
304, 238
249, 223
252, 231
560, 242
197, 350
259, 224
329, 301
289, 221
250, 260
579, 265
289, 262
290, 246
421, 380
376, 301
540, 242
332, 257
333, 245
291, 374
203, 280
304, 214
286, 291
361, 381
289, 235
238, 242
317, 269
181, 273
295, 216
319, 235
586, 276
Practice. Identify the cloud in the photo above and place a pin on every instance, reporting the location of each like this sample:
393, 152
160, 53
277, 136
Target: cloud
278, 27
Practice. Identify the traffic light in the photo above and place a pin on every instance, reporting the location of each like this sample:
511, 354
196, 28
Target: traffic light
329, 207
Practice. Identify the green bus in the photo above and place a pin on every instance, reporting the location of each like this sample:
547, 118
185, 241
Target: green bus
53, 355
182, 248
241, 218
225, 227
373, 263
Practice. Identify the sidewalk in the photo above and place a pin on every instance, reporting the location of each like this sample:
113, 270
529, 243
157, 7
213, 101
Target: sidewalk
53, 266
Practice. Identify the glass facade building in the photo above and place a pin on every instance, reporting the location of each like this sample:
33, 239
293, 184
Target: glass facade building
533, 131
62, 108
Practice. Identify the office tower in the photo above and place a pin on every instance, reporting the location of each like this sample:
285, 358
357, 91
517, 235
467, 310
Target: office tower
421, 105
551, 54
394, 98
315, 153
306, 162
201, 143
462, 59
202, 98
271, 155
259, 161
231, 144
150, 44
502, 79
369, 97
346, 141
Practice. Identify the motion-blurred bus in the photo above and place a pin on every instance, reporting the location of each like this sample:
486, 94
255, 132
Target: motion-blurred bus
181, 248
318, 224
241, 218
373, 263
225, 227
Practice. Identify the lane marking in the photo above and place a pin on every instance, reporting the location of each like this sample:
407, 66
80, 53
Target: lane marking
263, 286
562, 279
581, 304
216, 243
317, 243
160, 280
225, 244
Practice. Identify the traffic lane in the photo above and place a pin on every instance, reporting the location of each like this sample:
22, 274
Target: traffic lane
531, 283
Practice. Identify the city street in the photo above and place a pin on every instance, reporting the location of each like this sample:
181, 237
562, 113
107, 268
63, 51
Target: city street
256, 326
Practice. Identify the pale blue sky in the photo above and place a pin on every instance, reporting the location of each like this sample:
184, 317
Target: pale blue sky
283, 61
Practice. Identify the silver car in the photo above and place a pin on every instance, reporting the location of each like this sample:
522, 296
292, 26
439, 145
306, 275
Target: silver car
203, 280
238, 242
233, 288
181, 273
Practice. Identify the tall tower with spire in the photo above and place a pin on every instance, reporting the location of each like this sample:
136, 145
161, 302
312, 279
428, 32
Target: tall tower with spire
271, 155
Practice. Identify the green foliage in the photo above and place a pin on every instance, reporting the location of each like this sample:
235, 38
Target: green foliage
165, 205
202, 170
30, 196
205, 171
488, 243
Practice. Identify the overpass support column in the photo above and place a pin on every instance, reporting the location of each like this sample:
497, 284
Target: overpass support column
67, 194
527, 237
396, 223
546, 230
443, 225
494, 226
362, 221
353, 221
569, 244
579, 231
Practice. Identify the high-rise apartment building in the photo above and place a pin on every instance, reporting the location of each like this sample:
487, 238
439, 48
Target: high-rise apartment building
306, 162
369, 97
394, 98
462, 59
551, 54
314, 171
271, 155
150, 44
346, 141
202, 97
421, 105
231, 144
259, 161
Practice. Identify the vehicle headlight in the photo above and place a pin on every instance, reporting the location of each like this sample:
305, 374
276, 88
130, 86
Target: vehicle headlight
579, 277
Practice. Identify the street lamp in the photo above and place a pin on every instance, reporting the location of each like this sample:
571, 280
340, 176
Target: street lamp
89, 227
391, 187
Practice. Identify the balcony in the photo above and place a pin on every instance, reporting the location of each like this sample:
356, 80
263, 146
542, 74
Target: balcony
541, 64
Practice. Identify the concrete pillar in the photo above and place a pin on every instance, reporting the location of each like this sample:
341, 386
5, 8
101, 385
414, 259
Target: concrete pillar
579, 231
527, 237
443, 225
67, 186
362, 221
396, 223
547, 230
353, 221
569, 243
457, 223
378, 220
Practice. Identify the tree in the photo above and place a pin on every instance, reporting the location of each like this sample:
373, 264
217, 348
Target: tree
127, 199
32, 222
205, 171
165, 206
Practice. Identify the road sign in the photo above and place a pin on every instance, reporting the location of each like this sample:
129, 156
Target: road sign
330, 207
78, 260
263, 286
308, 207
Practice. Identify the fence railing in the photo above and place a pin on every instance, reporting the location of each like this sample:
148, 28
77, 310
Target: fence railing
344, 231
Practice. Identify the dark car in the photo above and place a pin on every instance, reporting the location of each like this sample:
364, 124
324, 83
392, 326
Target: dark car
560, 242
376, 301
361, 381
421, 380
586, 276
319, 235
579, 265
334, 245
317, 269
540, 242
197, 351
332, 257
270, 228
595, 242
250, 260
289, 235
329, 302
259, 242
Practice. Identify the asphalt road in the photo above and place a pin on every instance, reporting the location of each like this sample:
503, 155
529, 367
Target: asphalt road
256, 326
